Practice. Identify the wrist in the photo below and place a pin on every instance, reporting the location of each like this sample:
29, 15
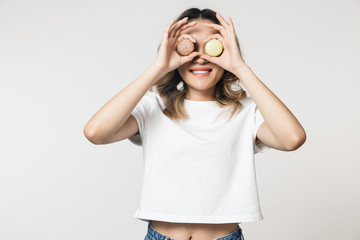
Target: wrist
157, 71
159, 68
241, 68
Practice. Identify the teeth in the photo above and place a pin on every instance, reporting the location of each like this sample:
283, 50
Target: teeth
201, 71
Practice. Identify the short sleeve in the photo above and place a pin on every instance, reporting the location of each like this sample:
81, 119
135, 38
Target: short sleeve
258, 146
141, 113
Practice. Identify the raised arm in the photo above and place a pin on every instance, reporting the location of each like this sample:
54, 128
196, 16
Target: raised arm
281, 129
106, 125
111, 116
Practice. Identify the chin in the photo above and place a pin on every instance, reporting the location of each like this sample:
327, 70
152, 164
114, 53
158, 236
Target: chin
201, 78
200, 84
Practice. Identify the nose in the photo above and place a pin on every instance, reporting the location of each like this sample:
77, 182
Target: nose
199, 59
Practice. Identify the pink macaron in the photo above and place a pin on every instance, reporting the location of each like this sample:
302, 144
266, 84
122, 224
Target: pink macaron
185, 46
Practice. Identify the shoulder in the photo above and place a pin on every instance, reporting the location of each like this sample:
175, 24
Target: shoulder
247, 102
154, 99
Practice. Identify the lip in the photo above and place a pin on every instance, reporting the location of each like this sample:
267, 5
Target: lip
201, 69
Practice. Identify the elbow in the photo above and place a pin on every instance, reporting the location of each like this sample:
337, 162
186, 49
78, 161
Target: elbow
91, 135
297, 141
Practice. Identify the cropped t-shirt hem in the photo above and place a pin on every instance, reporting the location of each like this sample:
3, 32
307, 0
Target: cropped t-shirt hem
248, 217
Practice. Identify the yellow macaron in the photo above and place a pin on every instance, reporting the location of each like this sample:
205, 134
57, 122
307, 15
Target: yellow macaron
213, 47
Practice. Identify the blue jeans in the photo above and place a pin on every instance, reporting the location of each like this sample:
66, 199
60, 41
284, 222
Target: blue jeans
152, 234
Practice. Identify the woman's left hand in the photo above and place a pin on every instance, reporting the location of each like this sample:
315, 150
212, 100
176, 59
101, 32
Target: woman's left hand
230, 59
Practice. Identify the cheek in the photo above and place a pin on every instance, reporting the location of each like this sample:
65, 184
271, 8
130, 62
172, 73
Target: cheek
182, 71
219, 74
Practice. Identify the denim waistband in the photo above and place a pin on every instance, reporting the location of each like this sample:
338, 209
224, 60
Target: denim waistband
158, 236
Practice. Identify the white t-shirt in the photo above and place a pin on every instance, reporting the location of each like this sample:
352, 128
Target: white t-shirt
201, 170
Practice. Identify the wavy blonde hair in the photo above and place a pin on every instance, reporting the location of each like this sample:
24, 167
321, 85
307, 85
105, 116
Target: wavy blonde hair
225, 94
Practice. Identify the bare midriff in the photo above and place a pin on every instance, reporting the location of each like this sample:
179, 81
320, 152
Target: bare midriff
193, 231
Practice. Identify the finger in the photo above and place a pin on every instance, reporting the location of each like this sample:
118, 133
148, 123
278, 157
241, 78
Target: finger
232, 28
174, 28
211, 59
218, 27
222, 21
182, 36
167, 30
191, 24
190, 57
215, 36
177, 23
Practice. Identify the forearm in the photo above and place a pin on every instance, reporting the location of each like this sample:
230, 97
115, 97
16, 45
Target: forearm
282, 123
113, 114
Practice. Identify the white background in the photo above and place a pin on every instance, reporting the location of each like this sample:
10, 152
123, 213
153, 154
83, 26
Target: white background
60, 61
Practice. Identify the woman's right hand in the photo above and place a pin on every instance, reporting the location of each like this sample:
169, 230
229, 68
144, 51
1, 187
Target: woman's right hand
168, 58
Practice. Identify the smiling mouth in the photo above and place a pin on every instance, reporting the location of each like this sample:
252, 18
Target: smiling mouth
201, 73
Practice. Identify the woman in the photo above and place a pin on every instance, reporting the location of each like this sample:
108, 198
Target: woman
199, 179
